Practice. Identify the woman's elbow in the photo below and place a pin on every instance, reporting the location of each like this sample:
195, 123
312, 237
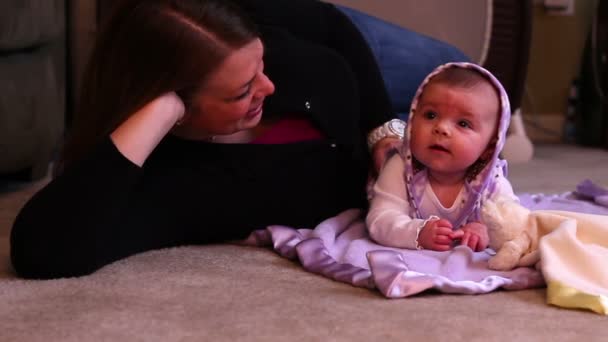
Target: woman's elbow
37, 253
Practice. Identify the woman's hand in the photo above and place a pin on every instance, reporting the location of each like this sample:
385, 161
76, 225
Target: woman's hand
436, 235
381, 150
474, 235
141, 132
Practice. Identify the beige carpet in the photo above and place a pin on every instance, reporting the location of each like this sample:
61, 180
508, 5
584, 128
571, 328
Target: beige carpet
231, 293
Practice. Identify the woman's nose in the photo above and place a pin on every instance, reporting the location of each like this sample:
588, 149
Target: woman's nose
266, 87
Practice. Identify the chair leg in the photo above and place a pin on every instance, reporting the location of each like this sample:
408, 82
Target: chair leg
518, 146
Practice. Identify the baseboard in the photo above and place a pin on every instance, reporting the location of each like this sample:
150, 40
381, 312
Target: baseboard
545, 128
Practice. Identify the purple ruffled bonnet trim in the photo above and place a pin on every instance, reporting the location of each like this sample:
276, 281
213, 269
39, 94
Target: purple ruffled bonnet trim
484, 180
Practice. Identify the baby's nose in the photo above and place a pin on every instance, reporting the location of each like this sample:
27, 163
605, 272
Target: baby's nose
441, 128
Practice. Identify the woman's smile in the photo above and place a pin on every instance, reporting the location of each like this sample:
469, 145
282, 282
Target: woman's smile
254, 112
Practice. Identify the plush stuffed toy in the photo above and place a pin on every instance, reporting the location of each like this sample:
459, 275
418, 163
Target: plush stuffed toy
513, 234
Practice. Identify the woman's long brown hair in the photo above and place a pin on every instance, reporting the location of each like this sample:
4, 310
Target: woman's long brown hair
145, 49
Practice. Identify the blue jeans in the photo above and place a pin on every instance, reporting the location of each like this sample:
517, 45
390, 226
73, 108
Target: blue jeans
405, 57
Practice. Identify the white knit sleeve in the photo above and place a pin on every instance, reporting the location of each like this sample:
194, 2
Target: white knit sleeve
388, 221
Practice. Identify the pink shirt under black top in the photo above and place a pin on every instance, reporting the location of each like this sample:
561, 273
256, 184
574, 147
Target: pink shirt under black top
292, 129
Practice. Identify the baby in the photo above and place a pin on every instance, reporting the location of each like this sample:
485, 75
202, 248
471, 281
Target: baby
429, 195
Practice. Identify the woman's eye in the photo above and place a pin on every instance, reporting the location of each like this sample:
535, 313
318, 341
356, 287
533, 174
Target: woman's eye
243, 95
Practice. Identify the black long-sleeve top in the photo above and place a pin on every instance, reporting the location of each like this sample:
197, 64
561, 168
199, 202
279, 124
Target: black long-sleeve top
104, 207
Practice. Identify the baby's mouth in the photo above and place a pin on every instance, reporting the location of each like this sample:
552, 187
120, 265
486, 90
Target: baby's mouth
439, 148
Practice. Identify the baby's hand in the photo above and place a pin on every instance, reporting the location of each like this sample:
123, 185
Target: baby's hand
436, 235
474, 235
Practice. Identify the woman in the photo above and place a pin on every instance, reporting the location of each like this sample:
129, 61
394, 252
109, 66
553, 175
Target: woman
174, 142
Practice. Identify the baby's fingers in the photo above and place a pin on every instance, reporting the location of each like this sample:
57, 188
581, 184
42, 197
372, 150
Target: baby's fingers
480, 246
443, 240
465, 238
473, 241
457, 234
441, 248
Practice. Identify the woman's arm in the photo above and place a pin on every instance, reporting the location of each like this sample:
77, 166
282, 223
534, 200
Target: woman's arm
64, 226
69, 226
137, 137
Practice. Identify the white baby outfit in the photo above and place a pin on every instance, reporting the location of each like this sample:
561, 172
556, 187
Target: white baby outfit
402, 200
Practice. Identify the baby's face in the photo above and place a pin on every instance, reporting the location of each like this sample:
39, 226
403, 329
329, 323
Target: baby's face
453, 126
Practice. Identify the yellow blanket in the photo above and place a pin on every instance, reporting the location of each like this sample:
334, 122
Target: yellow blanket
574, 259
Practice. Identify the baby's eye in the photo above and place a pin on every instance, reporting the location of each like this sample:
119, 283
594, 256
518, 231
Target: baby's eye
464, 124
430, 115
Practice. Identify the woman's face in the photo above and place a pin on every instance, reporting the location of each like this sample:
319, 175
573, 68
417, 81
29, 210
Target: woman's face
232, 98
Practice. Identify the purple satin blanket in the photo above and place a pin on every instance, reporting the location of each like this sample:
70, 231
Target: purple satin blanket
339, 248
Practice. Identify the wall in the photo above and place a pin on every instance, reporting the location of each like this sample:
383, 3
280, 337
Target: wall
82, 36
555, 60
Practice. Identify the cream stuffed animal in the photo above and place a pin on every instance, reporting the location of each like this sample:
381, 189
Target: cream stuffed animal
513, 234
